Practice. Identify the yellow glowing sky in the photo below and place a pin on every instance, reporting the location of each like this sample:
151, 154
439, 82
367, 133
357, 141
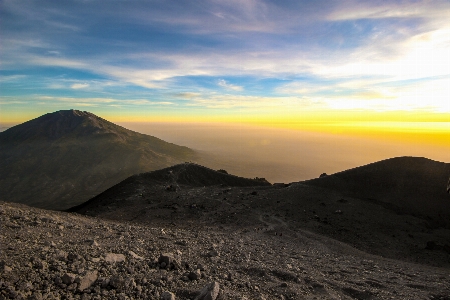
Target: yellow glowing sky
358, 68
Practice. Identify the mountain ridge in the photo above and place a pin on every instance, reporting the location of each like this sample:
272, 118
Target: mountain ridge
328, 206
415, 184
172, 179
64, 158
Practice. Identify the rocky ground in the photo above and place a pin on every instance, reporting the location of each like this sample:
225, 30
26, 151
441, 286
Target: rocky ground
191, 196
58, 255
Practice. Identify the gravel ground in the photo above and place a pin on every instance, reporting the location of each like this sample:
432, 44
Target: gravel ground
58, 255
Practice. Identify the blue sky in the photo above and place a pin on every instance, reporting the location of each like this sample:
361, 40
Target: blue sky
147, 59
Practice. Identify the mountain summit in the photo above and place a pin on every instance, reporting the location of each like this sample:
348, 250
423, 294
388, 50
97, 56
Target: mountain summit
60, 124
64, 158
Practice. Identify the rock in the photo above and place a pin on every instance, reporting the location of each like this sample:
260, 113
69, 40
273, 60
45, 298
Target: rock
92, 243
25, 286
201, 267
213, 253
4, 268
182, 242
47, 220
40, 264
230, 276
87, 280
74, 257
209, 292
36, 296
168, 260
114, 257
68, 278
134, 255
167, 296
171, 188
104, 282
50, 244
195, 275
116, 282
61, 255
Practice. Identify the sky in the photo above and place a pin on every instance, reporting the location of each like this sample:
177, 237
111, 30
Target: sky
368, 68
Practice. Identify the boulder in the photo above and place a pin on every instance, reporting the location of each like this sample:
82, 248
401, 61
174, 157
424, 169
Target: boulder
114, 257
68, 278
209, 292
87, 280
167, 296
169, 260
116, 282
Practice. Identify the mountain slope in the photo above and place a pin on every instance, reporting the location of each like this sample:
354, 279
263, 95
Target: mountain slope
182, 177
405, 184
77, 257
64, 158
341, 208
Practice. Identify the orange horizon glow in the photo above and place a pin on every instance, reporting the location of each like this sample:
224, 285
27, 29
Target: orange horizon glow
403, 126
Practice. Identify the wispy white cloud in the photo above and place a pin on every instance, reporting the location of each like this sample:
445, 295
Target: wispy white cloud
377, 94
351, 10
77, 86
231, 101
11, 78
229, 86
91, 101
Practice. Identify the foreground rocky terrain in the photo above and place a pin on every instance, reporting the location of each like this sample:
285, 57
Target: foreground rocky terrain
193, 196
58, 255
190, 232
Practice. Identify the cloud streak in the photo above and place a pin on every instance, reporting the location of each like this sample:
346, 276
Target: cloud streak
230, 86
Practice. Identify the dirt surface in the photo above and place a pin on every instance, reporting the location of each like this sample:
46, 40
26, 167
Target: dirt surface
57, 255
189, 232
375, 227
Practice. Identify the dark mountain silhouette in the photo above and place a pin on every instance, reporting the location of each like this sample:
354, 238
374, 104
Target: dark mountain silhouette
395, 208
64, 158
171, 179
413, 185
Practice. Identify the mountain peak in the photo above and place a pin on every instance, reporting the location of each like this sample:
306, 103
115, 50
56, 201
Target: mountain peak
74, 113
64, 158
60, 124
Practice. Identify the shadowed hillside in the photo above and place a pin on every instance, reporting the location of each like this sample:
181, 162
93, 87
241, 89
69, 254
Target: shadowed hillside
345, 208
412, 185
172, 179
64, 158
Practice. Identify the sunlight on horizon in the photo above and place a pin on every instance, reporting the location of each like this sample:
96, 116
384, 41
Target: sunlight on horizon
287, 155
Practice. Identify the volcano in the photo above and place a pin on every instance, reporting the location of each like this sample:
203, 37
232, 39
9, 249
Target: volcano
64, 158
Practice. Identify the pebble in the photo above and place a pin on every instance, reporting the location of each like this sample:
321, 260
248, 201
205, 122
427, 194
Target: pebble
114, 258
